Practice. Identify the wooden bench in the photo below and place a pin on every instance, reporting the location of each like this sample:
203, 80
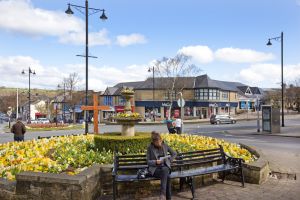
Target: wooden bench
185, 167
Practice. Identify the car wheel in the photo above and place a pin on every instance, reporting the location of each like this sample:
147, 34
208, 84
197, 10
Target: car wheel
233, 122
218, 122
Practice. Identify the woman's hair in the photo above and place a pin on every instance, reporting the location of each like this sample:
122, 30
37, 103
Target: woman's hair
155, 136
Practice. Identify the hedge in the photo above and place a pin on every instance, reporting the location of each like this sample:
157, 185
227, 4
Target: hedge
135, 144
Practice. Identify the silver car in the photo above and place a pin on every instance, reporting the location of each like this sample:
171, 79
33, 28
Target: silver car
222, 119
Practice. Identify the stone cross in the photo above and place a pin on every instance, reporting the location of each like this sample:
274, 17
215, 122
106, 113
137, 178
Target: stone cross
96, 109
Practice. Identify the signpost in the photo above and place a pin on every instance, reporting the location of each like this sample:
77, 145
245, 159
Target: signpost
181, 104
9, 112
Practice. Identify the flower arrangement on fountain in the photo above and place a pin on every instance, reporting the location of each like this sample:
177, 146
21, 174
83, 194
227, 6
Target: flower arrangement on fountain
126, 116
127, 91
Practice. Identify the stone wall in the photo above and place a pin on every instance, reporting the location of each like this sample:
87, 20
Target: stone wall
97, 181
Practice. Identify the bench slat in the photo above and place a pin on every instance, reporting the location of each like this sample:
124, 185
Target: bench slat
131, 160
195, 162
201, 155
200, 151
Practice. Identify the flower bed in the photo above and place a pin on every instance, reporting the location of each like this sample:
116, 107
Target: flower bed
49, 125
72, 154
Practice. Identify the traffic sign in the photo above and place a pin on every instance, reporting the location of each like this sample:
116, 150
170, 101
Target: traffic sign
9, 113
181, 102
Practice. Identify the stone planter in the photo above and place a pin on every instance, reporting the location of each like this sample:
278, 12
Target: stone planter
127, 126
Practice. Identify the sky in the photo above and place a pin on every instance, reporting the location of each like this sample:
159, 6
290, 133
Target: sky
225, 39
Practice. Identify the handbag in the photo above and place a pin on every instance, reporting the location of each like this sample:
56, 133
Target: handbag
143, 173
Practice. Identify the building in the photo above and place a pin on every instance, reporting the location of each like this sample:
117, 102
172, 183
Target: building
203, 97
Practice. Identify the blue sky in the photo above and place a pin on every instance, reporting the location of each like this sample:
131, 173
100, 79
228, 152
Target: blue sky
226, 39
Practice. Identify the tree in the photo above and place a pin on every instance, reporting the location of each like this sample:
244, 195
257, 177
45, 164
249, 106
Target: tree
293, 95
73, 97
174, 75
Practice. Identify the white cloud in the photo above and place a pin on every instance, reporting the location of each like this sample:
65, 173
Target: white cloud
49, 76
201, 54
78, 38
20, 16
235, 55
269, 75
135, 38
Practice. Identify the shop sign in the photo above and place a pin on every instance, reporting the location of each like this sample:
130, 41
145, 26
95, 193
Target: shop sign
166, 104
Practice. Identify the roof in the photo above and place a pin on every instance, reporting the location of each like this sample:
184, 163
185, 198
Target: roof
202, 81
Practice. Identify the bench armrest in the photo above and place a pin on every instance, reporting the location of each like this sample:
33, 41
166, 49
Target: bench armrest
233, 161
114, 173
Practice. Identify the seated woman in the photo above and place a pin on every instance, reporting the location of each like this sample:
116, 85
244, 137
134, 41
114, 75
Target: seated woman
159, 163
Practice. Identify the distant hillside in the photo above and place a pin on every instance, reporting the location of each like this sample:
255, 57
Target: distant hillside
4, 91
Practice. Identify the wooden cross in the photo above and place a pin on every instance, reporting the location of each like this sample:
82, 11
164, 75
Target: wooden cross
96, 109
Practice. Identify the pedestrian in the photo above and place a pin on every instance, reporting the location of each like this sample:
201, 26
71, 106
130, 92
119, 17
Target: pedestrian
18, 129
178, 122
170, 126
159, 163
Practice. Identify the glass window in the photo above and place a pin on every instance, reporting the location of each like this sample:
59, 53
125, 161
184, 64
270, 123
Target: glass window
170, 94
201, 94
224, 95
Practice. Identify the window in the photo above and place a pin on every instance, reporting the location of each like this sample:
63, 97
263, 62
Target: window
201, 94
206, 94
108, 100
225, 95
169, 95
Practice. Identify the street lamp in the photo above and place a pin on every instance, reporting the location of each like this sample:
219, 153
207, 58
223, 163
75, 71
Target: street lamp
64, 101
30, 71
87, 14
153, 91
280, 38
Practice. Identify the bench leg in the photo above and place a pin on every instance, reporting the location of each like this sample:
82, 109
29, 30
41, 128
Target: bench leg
115, 190
181, 182
223, 176
242, 177
191, 183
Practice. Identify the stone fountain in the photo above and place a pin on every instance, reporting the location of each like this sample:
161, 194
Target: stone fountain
128, 119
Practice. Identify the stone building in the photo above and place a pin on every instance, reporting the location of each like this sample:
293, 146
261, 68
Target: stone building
203, 97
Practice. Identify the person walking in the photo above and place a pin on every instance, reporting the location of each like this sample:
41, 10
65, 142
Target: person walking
170, 125
18, 129
159, 163
178, 125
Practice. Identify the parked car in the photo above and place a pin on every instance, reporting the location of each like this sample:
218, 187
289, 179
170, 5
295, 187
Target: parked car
222, 119
43, 121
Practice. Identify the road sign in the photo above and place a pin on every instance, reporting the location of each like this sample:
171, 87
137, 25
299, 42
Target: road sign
9, 113
181, 103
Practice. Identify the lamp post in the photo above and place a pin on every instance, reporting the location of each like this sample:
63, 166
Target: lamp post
153, 91
30, 71
64, 101
280, 38
87, 14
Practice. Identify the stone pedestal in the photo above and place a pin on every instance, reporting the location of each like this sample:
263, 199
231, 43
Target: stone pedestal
128, 130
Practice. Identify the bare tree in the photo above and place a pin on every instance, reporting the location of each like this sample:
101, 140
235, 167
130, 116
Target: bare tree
73, 97
174, 75
293, 95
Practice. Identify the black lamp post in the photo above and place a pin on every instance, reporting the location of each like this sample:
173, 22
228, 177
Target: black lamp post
153, 91
87, 14
280, 38
29, 95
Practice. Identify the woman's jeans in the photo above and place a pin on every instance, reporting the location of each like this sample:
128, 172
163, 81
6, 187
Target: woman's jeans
165, 183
